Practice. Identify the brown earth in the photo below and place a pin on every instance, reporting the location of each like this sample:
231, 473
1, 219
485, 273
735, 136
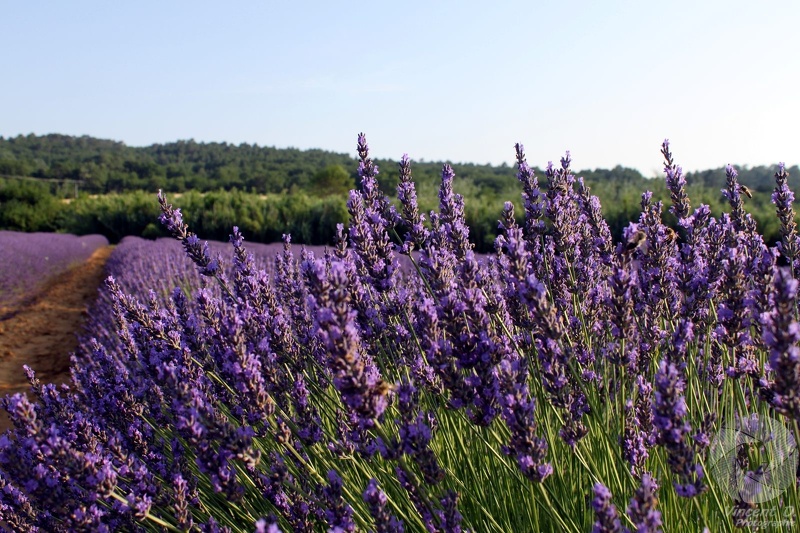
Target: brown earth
42, 332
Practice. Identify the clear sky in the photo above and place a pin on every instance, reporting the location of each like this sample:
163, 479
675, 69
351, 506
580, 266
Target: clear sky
459, 81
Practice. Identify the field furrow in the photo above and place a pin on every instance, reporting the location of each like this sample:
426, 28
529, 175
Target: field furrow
42, 333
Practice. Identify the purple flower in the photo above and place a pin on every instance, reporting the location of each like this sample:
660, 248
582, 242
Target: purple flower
566, 219
263, 526
733, 192
518, 406
783, 198
173, 220
451, 215
416, 233
370, 220
415, 432
415, 436
734, 315
605, 512
532, 197
423, 505
676, 183
596, 241
642, 510
376, 500
181, 506
619, 302
639, 433
339, 514
657, 271
693, 272
781, 336
354, 373
670, 418
449, 517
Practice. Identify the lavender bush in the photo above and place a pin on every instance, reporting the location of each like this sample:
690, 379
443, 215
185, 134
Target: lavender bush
28, 260
564, 383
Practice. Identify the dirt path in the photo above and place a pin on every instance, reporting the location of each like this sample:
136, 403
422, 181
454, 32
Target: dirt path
42, 334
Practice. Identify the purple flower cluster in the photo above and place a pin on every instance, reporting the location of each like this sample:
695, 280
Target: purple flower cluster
376, 499
642, 509
781, 335
639, 433
676, 183
353, 371
607, 518
670, 418
641, 512
531, 195
783, 198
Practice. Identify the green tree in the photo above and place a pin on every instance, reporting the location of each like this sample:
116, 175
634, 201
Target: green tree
332, 180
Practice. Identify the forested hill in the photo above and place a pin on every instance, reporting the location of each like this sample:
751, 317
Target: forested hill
85, 185
101, 166
107, 166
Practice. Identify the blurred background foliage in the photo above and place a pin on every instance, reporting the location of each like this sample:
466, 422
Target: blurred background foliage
85, 185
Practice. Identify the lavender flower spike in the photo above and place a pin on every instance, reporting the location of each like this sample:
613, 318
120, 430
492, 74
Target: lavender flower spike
339, 514
377, 502
781, 335
733, 192
607, 520
533, 197
354, 373
416, 234
642, 510
451, 209
172, 219
783, 197
676, 183
669, 416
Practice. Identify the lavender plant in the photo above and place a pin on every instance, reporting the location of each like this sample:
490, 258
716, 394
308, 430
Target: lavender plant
400, 382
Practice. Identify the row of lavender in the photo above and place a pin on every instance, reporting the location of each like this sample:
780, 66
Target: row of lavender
151, 269
565, 383
28, 260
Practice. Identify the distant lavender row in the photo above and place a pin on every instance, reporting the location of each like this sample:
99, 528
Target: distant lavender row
141, 265
151, 269
30, 259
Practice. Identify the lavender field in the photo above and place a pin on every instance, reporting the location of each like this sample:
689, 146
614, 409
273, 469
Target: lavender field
151, 269
28, 260
399, 382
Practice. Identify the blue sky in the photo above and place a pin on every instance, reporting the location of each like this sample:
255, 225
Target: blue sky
458, 81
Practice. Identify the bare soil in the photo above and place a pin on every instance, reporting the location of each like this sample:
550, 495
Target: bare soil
42, 333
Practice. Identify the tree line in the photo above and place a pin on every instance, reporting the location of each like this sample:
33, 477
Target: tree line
87, 185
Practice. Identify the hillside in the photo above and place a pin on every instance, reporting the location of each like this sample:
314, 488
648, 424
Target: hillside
275, 190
